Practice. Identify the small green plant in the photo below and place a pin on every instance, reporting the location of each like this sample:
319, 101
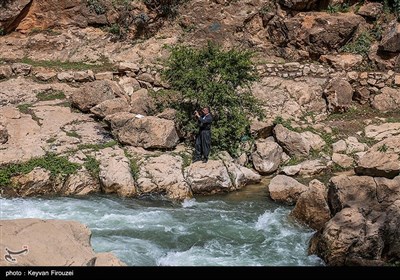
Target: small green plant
167, 9
134, 165
51, 140
115, 29
73, 133
339, 8
2, 31
337, 168
93, 166
96, 6
383, 148
97, 147
57, 165
186, 160
26, 109
286, 123
293, 161
103, 64
50, 95
360, 45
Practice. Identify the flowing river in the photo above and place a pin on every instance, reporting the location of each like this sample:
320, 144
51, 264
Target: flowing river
243, 228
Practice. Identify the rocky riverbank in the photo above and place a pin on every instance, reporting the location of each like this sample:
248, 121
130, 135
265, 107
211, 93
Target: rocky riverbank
35, 242
78, 116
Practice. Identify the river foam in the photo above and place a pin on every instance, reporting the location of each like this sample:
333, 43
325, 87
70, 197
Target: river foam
226, 230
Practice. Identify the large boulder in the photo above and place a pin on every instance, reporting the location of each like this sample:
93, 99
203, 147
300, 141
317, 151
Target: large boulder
267, 157
37, 182
9, 11
349, 238
310, 168
115, 172
142, 102
390, 39
339, 94
370, 10
94, 93
52, 14
285, 189
292, 142
392, 229
343, 161
149, 133
351, 191
387, 100
118, 120
49, 243
80, 183
315, 32
44, 74
239, 175
382, 131
316, 141
387, 190
163, 174
342, 61
381, 160
110, 106
209, 178
312, 208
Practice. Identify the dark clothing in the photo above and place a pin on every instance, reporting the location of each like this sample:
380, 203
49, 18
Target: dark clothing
203, 138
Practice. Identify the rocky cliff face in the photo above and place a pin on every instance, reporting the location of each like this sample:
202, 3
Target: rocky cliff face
76, 82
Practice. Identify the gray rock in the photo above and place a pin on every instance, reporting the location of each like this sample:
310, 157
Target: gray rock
148, 132
21, 69
104, 76
339, 94
285, 189
94, 93
67, 242
267, 157
292, 142
163, 175
109, 107
391, 38
312, 208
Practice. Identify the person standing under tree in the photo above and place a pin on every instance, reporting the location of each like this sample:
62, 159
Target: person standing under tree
203, 138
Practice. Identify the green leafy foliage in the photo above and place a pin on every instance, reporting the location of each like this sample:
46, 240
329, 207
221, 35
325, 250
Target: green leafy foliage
217, 78
50, 95
97, 147
338, 8
392, 6
115, 29
164, 8
93, 166
360, 45
103, 64
96, 6
2, 31
57, 165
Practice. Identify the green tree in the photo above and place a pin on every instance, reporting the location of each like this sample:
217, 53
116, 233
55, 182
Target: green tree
218, 78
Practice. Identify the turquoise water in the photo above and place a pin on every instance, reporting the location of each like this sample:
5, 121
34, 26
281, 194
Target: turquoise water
243, 228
